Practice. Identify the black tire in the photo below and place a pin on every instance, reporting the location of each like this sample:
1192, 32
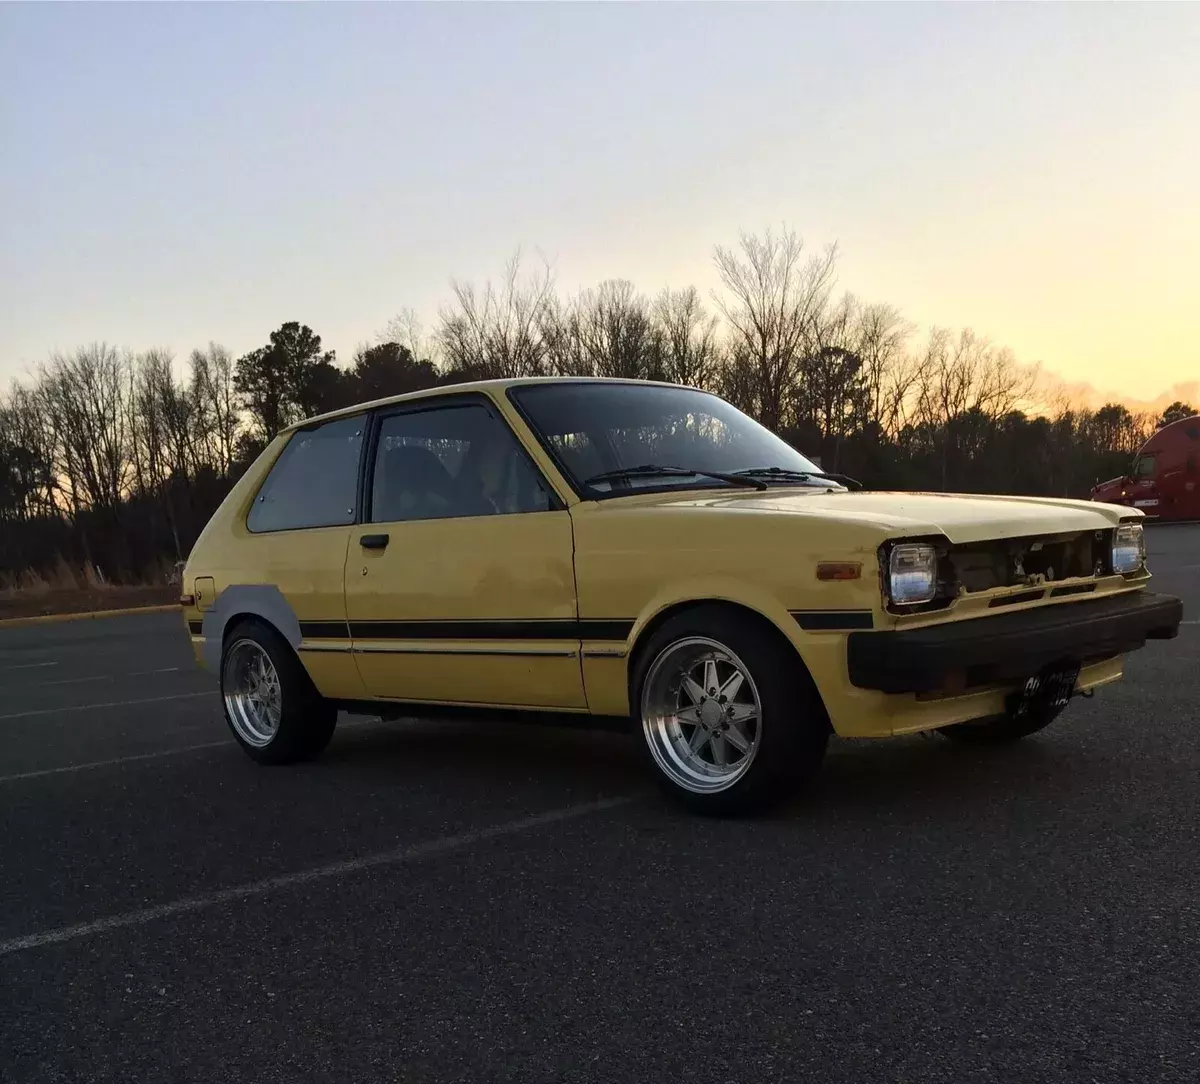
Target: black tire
306, 719
1000, 730
791, 733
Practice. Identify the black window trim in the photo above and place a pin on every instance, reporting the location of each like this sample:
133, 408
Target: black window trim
366, 474
312, 427
588, 493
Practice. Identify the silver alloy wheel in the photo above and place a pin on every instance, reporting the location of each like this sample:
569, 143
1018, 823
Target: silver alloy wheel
253, 697
701, 715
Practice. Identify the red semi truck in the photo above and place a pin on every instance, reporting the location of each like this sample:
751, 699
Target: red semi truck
1164, 481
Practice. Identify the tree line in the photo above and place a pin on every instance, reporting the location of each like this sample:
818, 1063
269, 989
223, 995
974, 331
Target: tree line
114, 461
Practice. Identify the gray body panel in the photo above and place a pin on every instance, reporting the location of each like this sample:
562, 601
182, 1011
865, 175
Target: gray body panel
263, 600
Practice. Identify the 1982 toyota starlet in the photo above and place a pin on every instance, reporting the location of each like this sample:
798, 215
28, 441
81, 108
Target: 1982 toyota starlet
628, 549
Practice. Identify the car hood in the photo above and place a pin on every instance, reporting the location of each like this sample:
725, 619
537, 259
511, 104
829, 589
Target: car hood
959, 517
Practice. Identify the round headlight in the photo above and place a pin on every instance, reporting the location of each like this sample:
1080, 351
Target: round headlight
912, 573
1128, 548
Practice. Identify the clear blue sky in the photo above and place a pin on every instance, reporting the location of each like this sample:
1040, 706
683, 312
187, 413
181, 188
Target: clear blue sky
176, 173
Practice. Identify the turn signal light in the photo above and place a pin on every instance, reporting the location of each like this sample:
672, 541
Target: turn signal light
839, 570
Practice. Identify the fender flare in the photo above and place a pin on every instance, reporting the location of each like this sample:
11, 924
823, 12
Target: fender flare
261, 600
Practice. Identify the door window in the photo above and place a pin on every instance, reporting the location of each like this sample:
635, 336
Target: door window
314, 481
450, 462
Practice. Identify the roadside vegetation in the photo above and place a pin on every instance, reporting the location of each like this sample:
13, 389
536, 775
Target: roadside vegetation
111, 461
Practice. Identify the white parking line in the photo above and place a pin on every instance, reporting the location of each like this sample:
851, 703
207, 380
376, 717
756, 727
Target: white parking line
132, 758
110, 704
290, 880
40, 772
28, 666
110, 677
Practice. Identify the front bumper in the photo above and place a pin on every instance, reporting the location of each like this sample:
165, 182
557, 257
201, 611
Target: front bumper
1008, 648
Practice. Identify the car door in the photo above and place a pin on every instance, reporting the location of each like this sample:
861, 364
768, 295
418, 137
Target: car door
460, 586
297, 533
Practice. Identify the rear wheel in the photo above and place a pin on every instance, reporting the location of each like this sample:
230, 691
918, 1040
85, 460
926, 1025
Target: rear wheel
271, 705
730, 718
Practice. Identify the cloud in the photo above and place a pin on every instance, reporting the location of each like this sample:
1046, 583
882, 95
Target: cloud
1080, 394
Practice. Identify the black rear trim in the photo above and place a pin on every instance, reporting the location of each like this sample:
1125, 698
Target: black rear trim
827, 620
468, 630
1009, 647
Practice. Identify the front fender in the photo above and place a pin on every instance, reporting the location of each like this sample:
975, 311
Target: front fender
821, 650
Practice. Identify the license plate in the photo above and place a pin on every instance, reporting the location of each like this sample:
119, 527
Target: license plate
1145, 504
1049, 691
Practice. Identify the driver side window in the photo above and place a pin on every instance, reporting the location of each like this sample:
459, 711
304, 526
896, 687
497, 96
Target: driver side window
451, 462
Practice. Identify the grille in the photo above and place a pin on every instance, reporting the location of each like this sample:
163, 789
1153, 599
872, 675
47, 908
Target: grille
1021, 562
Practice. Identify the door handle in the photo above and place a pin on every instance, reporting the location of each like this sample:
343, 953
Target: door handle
373, 541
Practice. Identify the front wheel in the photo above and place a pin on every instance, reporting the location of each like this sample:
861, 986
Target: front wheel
271, 705
730, 718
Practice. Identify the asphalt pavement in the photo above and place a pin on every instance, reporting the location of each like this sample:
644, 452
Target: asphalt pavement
484, 902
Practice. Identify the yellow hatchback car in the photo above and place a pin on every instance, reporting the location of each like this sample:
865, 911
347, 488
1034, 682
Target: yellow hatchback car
617, 549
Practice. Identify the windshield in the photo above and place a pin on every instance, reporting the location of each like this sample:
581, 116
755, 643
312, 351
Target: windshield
595, 429
1144, 467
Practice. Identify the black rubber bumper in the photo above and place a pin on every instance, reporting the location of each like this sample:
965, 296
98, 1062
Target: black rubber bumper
1011, 646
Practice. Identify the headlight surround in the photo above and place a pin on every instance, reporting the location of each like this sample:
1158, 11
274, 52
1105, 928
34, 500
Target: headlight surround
1128, 548
912, 573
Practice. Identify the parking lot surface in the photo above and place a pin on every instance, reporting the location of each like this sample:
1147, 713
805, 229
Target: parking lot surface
472, 902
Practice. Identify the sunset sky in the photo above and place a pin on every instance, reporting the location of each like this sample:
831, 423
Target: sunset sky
173, 174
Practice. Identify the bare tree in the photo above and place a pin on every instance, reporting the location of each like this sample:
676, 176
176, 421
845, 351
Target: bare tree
830, 394
162, 422
559, 327
880, 339
27, 454
772, 301
407, 330
85, 396
614, 332
218, 419
687, 337
498, 331
966, 376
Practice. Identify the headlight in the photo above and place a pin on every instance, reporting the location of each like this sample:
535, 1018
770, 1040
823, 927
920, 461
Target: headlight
912, 573
1129, 548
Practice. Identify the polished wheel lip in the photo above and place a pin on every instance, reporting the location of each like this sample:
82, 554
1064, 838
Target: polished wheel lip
252, 693
703, 743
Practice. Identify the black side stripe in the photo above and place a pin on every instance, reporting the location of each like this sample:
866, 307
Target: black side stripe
324, 630
829, 620
467, 630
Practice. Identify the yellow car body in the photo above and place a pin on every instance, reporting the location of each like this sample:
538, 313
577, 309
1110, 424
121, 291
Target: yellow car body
546, 611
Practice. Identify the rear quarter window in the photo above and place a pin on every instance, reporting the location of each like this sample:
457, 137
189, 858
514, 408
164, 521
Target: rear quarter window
314, 482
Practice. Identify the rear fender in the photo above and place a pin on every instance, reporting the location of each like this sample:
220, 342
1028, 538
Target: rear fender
261, 600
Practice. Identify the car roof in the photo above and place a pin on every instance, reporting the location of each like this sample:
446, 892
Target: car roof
467, 388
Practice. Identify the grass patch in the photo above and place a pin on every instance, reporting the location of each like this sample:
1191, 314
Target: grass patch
66, 590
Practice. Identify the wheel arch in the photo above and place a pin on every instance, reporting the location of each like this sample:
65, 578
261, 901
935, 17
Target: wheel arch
645, 629
262, 602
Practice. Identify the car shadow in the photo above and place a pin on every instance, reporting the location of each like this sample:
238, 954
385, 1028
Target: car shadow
913, 777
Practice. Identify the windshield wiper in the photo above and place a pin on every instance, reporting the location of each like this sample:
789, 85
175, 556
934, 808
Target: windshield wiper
650, 470
784, 474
